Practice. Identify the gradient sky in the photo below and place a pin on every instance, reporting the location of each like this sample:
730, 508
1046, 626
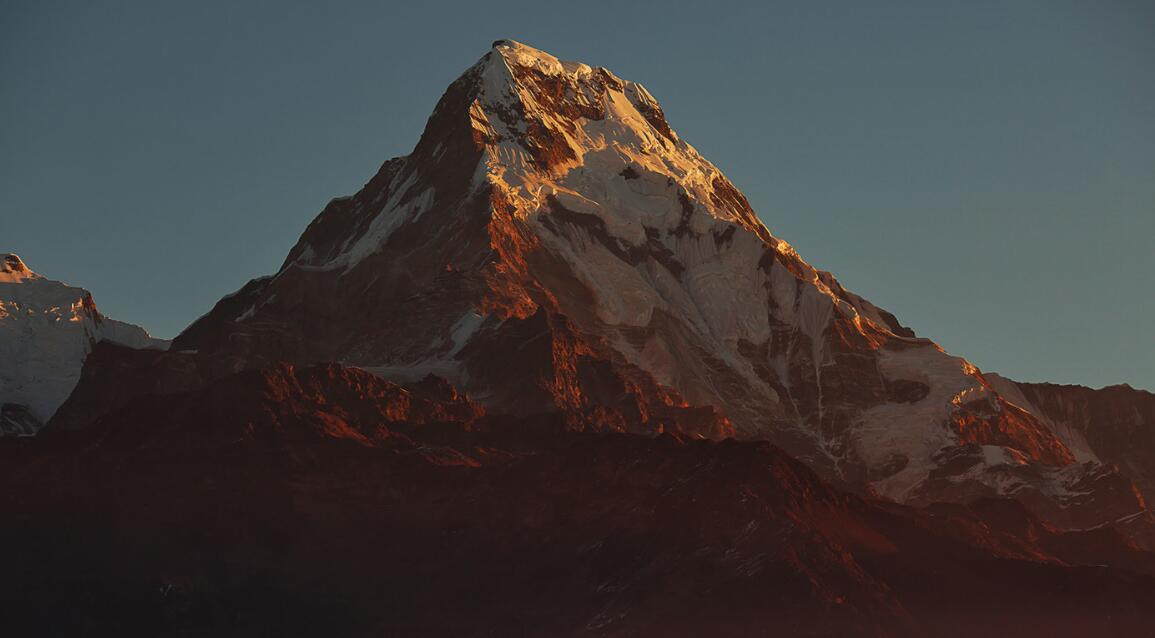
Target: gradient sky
985, 170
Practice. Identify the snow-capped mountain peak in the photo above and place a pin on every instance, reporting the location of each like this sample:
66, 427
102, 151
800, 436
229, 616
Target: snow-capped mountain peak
541, 118
552, 244
47, 328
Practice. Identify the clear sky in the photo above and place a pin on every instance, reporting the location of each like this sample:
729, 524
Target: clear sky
985, 170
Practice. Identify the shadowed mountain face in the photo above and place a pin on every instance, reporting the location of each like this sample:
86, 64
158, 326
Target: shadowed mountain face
298, 500
551, 244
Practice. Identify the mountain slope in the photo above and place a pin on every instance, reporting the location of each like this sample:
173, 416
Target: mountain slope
1113, 425
306, 500
551, 244
47, 328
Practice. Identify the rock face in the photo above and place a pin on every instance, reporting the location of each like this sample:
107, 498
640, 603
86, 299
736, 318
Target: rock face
1112, 426
323, 500
552, 245
47, 328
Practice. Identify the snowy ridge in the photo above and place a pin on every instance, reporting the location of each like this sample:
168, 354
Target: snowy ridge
47, 328
1071, 437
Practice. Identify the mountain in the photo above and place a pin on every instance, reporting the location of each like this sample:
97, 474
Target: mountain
47, 328
549, 375
322, 500
552, 245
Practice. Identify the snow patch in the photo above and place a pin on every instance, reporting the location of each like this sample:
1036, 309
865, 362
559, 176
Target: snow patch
463, 330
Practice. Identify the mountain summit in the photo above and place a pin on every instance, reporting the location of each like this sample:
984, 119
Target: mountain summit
552, 245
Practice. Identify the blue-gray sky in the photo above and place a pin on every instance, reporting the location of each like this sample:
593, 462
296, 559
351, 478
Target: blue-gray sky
985, 170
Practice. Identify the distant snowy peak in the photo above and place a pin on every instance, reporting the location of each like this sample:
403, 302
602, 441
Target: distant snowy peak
47, 328
13, 270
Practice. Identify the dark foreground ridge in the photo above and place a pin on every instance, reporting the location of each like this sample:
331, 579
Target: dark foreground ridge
321, 500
